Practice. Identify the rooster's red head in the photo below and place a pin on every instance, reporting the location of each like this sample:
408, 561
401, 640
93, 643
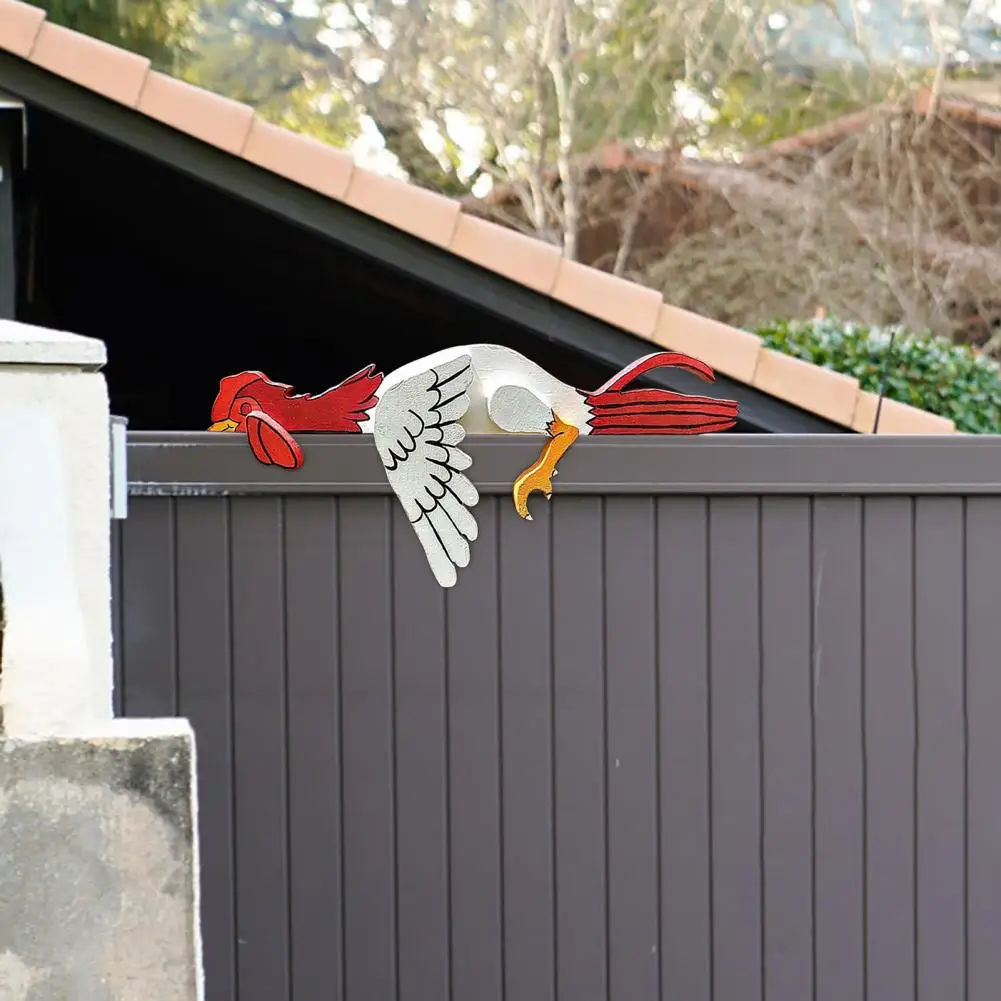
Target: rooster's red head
342, 408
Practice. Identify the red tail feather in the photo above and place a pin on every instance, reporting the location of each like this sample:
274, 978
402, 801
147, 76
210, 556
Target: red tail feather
658, 411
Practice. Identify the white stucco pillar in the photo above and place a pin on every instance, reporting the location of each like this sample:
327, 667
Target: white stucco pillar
55, 560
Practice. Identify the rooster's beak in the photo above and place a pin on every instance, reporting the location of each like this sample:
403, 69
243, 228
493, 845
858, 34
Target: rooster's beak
226, 425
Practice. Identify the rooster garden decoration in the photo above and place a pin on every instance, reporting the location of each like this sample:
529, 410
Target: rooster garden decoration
419, 415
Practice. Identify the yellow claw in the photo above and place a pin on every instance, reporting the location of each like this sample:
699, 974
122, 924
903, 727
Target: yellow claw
538, 478
532, 480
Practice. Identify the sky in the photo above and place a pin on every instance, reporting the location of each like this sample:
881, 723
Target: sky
889, 29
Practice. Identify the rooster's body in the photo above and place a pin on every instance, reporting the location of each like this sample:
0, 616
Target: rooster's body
419, 414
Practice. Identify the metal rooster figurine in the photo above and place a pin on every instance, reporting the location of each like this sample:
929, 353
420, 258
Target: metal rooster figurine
420, 413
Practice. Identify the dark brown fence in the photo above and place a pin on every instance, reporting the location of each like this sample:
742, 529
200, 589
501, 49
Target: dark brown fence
723, 722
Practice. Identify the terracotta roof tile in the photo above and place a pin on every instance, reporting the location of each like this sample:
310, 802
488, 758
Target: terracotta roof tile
728, 350
93, 64
421, 213
969, 110
829, 394
924, 102
521, 258
818, 134
204, 115
614, 300
302, 159
124, 77
20, 24
897, 418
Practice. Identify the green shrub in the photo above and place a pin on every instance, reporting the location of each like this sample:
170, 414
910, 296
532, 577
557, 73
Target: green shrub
943, 378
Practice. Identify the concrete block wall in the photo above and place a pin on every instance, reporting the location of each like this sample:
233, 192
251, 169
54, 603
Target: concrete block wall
98, 816
55, 554
98, 857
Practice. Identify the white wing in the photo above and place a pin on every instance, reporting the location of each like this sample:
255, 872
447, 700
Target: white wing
417, 427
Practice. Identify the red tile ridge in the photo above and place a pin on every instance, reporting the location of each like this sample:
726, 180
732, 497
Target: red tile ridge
856, 121
808, 138
958, 107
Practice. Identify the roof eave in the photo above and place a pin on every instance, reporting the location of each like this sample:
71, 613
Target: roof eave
381, 242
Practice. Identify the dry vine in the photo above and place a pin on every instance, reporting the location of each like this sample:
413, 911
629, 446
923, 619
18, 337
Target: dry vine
895, 222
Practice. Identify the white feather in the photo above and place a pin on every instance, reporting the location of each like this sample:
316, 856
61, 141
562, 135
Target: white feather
417, 427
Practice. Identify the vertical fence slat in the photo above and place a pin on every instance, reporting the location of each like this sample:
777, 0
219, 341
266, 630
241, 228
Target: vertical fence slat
260, 749
367, 748
630, 665
735, 669
836, 663
526, 757
204, 661
787, 762
314, 794
421, 769
474, 769
579, 738
889, 743
685, 889
939, 563
148, 646
983, 709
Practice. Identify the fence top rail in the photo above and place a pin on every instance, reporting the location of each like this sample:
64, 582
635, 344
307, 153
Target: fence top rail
203, 464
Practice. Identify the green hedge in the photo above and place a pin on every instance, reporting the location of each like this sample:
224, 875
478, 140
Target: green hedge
935, 375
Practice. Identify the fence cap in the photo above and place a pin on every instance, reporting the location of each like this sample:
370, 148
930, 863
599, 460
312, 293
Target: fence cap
23, 344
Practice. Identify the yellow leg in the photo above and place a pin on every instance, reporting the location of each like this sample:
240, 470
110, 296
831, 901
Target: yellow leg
539, 476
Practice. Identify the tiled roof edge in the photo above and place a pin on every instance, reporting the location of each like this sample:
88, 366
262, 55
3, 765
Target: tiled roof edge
923, 102
124, 77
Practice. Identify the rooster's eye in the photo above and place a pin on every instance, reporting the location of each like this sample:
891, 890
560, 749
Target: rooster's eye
245, 408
